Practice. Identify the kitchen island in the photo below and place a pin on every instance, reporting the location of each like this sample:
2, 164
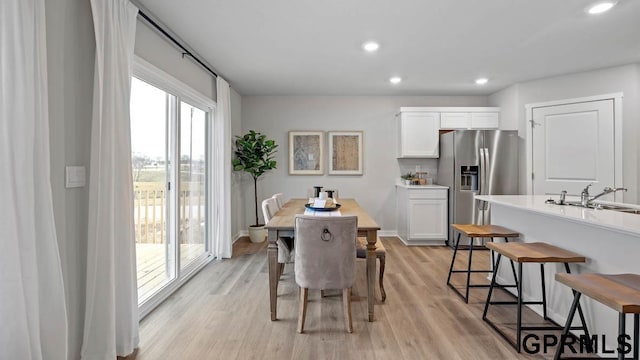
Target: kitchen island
610, 241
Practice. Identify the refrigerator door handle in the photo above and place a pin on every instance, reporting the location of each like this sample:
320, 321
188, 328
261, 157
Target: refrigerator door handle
484, 166
487, 168
481, 188
480, 175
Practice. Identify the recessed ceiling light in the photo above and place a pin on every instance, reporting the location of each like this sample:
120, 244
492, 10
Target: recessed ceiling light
482, 81
600, 7
395, 80
370, 46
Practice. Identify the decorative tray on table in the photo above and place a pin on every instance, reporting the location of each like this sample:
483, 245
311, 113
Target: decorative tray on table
329, 206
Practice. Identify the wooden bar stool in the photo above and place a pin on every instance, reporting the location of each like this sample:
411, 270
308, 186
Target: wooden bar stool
473, 231
619, 292
540, 253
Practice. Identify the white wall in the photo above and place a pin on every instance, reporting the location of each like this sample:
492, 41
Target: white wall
375, 115
625, 79
70, 52
509, 111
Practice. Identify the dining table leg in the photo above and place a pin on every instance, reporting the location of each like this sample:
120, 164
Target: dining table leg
372, 237
272, 253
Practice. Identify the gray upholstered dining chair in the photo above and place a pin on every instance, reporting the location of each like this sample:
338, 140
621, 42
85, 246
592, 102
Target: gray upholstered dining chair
325, 259
270, 208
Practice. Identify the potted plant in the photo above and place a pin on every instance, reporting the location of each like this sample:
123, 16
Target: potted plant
254, 155
406, 178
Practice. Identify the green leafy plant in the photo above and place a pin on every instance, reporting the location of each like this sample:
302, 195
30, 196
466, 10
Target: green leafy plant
254, 155
407, 176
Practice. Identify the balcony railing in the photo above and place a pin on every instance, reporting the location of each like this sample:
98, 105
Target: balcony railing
150, 231
149, 210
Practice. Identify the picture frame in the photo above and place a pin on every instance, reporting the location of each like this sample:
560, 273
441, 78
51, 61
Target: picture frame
306, 152
346, 152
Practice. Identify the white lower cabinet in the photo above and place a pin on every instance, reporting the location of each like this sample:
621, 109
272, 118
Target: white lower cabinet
422, 214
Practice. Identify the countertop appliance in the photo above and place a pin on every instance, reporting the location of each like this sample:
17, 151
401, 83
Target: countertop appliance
476, 162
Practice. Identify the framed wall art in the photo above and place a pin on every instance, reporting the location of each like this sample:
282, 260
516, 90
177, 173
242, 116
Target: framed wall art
345, 152
306, 149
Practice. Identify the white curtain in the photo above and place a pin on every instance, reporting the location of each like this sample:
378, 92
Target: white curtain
33, 317
111, 316
222, 241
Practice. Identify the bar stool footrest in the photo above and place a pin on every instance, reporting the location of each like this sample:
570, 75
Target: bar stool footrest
457, 291
550, 327
515, 303
475, 247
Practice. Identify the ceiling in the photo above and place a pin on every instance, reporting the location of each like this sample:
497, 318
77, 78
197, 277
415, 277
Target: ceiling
438, 47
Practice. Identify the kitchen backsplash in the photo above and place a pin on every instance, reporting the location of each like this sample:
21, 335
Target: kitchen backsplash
428, 165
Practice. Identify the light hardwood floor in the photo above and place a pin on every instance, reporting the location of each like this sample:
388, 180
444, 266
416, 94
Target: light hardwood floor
223, 313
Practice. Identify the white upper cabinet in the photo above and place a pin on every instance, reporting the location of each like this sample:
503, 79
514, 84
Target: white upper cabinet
419, 137
485, 120
470, 118
455, 120
419, 127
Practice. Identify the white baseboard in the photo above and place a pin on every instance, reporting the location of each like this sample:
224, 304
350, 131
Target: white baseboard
394, 233
422, 242
413, 242
240, 234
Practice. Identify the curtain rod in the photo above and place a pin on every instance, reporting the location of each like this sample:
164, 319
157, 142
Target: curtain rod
186, 51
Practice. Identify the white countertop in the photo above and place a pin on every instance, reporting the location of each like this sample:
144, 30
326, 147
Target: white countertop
613, 220
422, 186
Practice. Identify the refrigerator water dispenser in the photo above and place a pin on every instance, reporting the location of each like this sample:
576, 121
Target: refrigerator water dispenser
469, 178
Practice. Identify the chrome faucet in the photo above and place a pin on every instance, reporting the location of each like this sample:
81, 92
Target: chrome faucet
605, 191
563, 194
584, 196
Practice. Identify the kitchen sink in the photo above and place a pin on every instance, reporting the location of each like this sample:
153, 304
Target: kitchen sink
625, 209
630, 211
617, 208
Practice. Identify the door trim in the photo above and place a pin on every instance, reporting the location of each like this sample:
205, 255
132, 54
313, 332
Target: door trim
617, 140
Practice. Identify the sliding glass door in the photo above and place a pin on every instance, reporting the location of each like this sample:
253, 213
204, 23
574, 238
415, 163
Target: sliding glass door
170, 176
150, 118
193, 176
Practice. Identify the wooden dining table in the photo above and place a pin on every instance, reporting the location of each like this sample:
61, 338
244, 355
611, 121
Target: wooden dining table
281, 225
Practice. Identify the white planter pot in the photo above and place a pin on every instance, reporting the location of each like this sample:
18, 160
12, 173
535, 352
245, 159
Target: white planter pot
257, 234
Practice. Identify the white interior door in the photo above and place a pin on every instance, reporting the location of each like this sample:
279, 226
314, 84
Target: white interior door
573, 146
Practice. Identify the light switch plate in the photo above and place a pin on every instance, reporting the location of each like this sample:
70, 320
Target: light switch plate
75, 176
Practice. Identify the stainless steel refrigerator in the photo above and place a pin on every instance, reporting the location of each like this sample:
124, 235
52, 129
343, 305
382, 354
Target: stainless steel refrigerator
476, 162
